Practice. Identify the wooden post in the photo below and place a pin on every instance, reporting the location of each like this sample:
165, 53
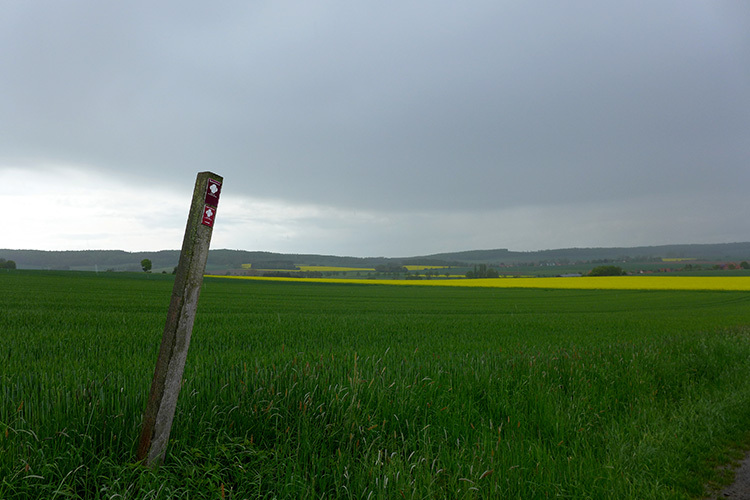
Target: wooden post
165, 387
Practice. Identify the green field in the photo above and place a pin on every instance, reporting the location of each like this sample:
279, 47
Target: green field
304, 390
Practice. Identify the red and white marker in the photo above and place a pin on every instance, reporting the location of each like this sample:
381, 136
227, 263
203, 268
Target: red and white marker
213, 190
209, 214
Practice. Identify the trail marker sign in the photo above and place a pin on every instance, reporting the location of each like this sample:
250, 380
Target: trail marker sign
170, 364
209, 213
213, 190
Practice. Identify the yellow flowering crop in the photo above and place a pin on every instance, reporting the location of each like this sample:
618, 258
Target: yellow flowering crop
324, 269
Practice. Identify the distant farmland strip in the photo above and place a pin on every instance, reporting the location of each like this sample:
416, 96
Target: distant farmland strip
420, 267
326, 269
321, 269
739, 283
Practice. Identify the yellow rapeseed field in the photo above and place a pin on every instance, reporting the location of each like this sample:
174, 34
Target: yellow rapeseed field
324, 269
418, 267
603, 283
321, 269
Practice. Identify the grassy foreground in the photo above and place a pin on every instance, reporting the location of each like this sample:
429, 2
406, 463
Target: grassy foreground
356, 391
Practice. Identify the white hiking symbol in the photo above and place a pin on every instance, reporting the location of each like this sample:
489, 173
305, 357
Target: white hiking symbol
209, 213
213, 189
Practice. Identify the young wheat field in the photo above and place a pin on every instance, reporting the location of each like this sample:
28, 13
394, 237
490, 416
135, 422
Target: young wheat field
348, 390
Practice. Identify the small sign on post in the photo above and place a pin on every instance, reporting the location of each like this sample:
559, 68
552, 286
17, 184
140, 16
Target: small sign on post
170, 364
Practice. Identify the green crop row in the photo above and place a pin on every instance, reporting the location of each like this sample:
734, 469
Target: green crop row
296, 390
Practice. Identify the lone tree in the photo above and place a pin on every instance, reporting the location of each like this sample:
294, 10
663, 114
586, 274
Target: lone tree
7, 264
146, 265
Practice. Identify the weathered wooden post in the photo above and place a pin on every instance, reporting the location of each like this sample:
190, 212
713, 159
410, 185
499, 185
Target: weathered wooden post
165, 387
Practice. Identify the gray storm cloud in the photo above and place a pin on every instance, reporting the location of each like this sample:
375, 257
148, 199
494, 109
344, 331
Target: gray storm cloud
395, 107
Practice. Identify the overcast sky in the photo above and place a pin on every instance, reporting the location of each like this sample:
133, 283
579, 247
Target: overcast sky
391, 128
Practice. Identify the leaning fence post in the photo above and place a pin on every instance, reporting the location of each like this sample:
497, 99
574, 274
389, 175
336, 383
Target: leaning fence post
170, 364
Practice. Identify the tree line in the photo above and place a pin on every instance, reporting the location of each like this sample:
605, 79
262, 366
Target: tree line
482, 271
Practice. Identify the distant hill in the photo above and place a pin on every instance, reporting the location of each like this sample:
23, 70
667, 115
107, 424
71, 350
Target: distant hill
118, 260
709, 252
166, 260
